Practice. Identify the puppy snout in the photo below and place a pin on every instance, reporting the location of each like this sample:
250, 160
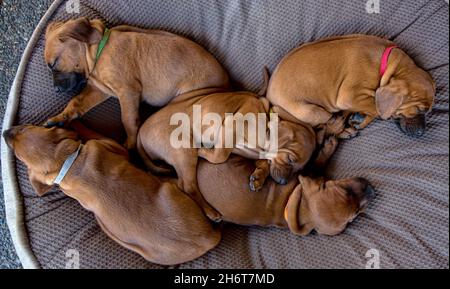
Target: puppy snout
69, 83
10, 134
367, 193
413, 127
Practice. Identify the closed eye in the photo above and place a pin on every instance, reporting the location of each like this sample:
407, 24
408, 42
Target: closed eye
53, 65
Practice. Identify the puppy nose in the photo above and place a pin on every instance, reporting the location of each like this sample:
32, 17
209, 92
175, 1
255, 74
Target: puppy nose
282, 181
9, 135
369, 192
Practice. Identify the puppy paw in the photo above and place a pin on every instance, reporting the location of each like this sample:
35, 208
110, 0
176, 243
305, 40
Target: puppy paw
336, 125
356, 120
213, 215
255, 183
58, 121
348, 133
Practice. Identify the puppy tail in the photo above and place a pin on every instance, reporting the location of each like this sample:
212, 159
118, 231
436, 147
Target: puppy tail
154, 169
266, 75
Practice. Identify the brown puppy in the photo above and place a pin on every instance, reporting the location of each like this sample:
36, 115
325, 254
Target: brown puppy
303, 205
296, 142
343, 74
135, 209
135, 65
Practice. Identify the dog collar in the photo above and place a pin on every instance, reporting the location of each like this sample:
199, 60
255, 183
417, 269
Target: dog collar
101, 46
385, 59
67, 165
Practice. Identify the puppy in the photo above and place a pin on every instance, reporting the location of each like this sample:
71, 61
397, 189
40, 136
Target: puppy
355, 74
135, 65
296, 142
135, 209
303, 205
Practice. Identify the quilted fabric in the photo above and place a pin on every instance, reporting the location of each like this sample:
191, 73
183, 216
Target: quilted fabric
408, 223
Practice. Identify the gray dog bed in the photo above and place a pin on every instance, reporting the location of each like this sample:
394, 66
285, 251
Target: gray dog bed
407, 224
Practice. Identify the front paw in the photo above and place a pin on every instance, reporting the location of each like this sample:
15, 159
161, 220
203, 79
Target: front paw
255, 183
348, 133
356, 120
59, 121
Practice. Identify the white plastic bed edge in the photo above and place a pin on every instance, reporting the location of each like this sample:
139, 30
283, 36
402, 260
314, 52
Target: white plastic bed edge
13, 198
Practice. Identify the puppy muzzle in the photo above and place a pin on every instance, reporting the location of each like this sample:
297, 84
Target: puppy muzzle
413, 127
69, 84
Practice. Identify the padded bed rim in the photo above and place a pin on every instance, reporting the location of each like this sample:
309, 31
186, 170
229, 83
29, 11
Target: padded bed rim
13, 198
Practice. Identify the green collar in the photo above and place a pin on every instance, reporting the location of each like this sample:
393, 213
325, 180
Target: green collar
101, 46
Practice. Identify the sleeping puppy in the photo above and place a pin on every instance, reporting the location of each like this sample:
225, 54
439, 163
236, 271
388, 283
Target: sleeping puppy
303, 205
357, 74
133, 65
296, 142
135, 209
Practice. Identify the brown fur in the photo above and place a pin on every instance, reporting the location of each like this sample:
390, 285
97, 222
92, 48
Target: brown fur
135, 209
297, 143
303, 205
136, 65
342, 74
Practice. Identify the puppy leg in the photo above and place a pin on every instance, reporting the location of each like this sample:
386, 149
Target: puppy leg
186, 167
359, 121
129, 104
215, 156
78, 106
259, 176
310, 113
325, 153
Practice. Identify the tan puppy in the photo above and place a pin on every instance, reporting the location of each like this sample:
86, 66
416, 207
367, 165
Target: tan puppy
135, 209
296, 142
135, 65
343, 74
303, 205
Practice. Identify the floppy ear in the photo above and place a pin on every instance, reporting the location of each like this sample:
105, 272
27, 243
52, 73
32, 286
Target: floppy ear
82, 30
387, 101
51, 26
292, 214
40, 188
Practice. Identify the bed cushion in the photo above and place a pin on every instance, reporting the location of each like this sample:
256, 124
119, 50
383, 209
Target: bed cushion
408, 223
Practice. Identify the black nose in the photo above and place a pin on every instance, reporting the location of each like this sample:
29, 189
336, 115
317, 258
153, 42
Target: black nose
366, 193
282, 181
414, 127
9, 135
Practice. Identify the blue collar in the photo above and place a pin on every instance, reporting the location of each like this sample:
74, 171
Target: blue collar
67, 165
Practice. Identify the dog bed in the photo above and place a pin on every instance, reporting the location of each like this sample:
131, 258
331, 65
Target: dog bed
407, 226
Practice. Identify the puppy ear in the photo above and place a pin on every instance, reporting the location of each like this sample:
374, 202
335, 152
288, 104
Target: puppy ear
292, 214
82, 30
40, 188
51, 26
387, 100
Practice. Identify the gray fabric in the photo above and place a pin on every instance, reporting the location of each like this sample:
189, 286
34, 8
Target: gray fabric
409, 220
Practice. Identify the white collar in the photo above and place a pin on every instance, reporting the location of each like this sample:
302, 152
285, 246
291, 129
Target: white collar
67, 165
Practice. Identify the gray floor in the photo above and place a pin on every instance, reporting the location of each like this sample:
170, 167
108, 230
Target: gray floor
18, 18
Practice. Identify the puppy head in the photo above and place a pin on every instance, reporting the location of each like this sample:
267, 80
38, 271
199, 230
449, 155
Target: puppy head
42, 150
407, 100
296, 144
65, 52
327, 206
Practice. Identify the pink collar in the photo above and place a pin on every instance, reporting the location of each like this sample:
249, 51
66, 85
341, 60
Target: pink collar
385, 59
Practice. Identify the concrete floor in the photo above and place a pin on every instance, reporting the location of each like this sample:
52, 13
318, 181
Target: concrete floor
18, 18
